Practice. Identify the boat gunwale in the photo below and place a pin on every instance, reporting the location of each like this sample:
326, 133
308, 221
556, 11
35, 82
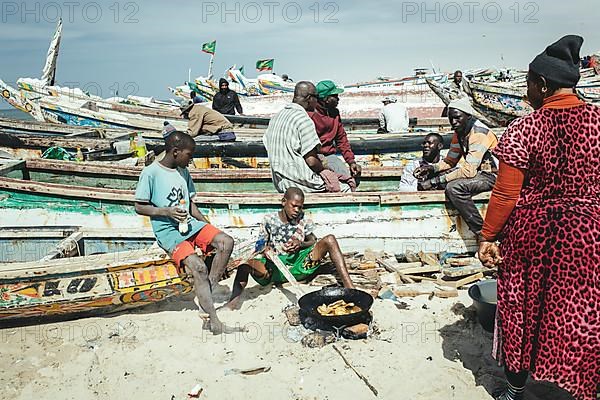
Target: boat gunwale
229, 198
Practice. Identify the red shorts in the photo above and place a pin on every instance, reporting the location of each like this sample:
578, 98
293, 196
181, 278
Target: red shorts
202, 240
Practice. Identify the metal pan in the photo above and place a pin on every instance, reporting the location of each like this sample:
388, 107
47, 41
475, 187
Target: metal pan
310, 316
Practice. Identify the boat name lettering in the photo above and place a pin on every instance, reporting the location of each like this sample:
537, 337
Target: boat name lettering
77, 285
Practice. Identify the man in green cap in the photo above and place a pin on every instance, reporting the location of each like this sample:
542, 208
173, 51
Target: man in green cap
331, 132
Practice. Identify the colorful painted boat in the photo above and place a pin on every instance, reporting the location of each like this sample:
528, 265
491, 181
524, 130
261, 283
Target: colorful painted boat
499, 103
69, 272
381, 219
45, 282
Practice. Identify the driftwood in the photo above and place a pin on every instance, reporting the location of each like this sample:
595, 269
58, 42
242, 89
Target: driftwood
361, 376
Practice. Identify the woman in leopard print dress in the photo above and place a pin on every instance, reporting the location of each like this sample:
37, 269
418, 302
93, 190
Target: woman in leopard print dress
545, 210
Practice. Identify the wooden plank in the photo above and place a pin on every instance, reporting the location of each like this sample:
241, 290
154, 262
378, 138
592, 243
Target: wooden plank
39, 141
7, 167
433, 196
125, 196
47, 127
52, 232
461, 282
98, 262
426, 269
115, 170
275, 198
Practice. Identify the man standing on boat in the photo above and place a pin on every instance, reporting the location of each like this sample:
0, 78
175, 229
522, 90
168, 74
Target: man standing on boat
226, 101
393, 117
474, 141
331, 132
432, 145
204, 121
293, 147
459, 88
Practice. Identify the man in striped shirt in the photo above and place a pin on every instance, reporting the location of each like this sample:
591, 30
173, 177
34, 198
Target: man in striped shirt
474, 142
293, 145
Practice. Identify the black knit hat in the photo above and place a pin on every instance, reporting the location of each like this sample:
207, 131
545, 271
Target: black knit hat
559, 63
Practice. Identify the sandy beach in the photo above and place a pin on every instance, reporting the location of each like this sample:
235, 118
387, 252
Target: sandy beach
430, 349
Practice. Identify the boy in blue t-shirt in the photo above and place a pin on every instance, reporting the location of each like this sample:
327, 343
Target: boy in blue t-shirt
164, 188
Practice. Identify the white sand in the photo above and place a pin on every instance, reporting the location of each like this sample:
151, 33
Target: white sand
161, 352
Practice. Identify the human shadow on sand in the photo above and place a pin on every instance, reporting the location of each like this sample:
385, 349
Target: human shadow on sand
466, 341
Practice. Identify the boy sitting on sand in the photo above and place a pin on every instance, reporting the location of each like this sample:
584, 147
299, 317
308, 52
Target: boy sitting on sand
164, 193
289, 235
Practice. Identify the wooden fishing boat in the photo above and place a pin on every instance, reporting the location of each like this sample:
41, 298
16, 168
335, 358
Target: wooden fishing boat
367, 147
378, 218
446, 96
40, 279
62, 272
499, 103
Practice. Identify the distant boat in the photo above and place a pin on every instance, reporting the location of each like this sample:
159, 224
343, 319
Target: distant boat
499, 103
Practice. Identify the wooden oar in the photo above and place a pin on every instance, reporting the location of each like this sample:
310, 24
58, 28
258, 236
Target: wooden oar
296, 287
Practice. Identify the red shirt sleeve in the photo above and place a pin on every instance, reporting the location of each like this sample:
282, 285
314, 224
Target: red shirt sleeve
503, 200
342, 143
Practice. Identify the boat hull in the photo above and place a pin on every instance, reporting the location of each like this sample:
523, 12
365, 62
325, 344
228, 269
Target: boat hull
89, 285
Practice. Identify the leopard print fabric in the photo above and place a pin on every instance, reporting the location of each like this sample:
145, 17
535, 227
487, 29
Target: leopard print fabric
549, 282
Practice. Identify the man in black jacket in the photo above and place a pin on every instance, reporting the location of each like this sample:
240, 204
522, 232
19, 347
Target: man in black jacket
226, 101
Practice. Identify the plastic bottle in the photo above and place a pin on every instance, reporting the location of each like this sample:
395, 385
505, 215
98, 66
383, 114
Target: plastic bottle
140, 146
79, 155
183, 226
132, 143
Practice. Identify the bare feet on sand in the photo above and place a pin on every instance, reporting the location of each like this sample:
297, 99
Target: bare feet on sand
216, 327
233, 305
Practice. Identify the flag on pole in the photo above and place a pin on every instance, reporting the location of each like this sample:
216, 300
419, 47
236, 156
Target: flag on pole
209, 47
265, 65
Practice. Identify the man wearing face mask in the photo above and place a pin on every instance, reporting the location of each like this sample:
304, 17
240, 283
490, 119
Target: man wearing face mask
226, 101
330, 130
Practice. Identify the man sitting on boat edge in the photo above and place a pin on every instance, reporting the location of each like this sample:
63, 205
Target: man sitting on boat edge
164, 193
477, 174
293, 145
290, 237
432, 144
204, 121
331, 132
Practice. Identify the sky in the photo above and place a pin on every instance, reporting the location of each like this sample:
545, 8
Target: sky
142, 47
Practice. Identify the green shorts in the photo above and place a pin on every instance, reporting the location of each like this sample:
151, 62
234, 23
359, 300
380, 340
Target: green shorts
301, 267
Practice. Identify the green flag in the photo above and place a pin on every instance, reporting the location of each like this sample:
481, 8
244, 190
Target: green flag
265, 65
242, 70
209, 47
